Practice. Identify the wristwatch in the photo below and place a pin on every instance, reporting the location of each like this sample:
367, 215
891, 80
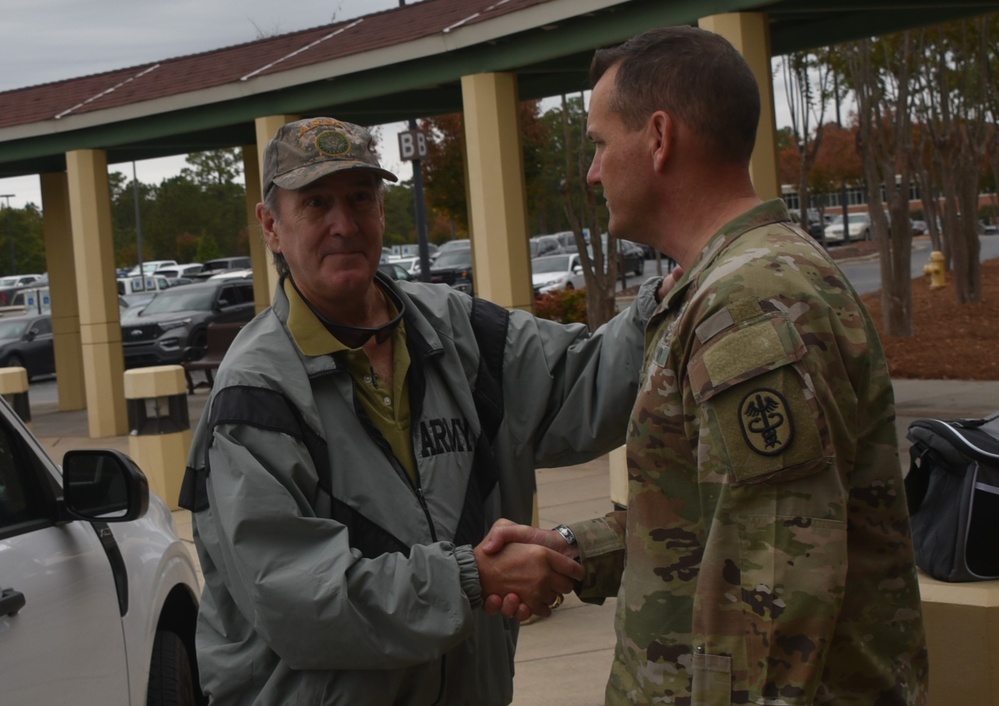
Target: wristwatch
567, 535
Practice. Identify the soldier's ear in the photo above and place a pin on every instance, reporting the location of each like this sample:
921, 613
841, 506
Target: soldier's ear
661, 136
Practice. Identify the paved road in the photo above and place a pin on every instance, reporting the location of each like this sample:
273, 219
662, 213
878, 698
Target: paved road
865, 273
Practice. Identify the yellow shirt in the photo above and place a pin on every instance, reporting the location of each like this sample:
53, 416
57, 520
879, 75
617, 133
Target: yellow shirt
388, 408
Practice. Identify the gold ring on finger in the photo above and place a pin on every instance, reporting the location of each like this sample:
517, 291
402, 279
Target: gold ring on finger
556, 603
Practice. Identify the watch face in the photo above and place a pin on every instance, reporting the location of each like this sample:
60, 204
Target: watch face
567, 534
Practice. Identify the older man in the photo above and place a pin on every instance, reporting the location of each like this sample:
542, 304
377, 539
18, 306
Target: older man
361, 437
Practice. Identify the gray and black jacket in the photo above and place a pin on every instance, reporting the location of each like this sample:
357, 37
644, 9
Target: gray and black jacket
329, 577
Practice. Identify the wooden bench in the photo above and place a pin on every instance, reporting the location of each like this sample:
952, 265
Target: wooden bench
218, 338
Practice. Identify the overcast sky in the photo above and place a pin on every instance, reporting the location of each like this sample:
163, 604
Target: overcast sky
50, 40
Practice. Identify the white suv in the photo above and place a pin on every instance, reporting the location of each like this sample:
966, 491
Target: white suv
99, 598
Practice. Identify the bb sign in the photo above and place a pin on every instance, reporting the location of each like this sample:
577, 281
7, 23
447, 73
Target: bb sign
412, 145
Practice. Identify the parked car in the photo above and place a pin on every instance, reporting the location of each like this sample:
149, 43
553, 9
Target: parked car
858, 225
244, 273
551, 273
630, 256
26, 342
177, 271
149, 283
176, 319
18, 280
395, 270
100, 597
454, 267
221, 264
542, 245
449, 245
150, 267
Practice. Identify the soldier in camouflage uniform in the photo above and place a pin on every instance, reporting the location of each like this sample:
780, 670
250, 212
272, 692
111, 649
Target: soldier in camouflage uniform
765, 555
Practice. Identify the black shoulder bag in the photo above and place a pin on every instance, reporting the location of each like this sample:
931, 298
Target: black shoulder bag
953, 495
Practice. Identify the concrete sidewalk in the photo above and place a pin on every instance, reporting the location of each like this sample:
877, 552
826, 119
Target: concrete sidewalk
563, 660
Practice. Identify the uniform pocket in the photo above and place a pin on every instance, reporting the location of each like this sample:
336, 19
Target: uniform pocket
711, 683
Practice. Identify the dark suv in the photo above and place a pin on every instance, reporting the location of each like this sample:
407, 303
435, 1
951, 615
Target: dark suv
454, 268
177, 318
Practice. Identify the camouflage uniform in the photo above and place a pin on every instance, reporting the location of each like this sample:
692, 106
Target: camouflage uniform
769, 559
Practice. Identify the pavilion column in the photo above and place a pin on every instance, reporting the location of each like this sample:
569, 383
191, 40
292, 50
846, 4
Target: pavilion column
100, 326
263, 286
60, 263
497, 203
260, 256
749, 33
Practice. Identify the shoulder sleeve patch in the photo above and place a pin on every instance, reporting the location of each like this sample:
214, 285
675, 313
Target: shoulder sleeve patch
768, 429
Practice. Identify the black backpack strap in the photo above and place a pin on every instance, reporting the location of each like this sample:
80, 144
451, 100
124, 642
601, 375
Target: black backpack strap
256, 407
490, 323
267, 409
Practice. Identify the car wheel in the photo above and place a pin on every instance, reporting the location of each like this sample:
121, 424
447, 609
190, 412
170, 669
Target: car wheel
14, 361
171, 680
569, 287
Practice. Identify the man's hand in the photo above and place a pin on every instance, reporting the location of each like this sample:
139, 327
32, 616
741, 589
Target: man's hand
521, 578
669, 281
505, 532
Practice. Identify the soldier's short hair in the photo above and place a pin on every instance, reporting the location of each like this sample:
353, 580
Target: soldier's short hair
696, 76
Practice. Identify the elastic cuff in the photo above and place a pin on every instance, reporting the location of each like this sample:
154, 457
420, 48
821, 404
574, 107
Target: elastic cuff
468, 574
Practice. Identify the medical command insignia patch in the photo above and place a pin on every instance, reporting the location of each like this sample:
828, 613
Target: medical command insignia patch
766, 422
332, 143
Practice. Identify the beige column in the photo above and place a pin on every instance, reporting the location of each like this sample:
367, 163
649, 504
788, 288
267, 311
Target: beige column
100, 327
749, 32
267, 128
59, 260
263, 266
497, 204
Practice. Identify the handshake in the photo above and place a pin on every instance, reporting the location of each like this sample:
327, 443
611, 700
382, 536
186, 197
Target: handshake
524, 570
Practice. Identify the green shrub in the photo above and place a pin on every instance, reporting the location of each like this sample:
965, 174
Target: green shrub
565, 306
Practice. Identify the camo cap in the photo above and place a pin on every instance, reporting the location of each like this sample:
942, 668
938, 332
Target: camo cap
306, 150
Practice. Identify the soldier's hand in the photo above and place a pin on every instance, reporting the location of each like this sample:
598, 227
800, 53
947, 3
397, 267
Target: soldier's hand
669, 281
527, 576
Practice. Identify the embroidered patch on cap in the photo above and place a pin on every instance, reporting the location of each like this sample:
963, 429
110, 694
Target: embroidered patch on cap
766, 423
332, 143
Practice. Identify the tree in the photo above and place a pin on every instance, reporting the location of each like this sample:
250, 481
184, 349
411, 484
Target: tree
952, 106
215, 167
808, 86
400, 217
22, 246
579, 200
444, 168
880, 72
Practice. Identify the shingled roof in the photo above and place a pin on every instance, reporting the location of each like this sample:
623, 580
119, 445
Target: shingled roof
248, 62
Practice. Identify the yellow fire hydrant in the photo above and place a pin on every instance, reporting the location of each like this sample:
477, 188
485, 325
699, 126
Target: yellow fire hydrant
935, 269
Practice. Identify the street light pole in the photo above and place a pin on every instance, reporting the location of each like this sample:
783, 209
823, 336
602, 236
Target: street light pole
10, 233
138, 227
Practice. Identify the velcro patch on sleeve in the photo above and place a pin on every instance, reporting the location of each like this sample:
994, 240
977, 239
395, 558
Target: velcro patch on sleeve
742, 353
